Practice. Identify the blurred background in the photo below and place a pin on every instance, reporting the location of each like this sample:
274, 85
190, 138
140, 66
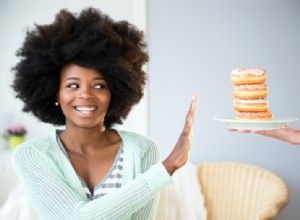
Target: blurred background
193, 46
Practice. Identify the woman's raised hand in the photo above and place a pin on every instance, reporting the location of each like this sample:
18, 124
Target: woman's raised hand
180, 153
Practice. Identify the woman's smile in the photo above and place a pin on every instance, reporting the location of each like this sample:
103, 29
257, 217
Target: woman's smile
86, 110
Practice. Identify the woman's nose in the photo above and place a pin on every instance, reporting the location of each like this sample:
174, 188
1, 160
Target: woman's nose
85, 93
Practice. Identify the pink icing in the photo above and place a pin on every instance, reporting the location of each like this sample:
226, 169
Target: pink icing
250, 87
253, 113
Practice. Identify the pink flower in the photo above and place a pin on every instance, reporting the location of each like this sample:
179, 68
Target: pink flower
18, 130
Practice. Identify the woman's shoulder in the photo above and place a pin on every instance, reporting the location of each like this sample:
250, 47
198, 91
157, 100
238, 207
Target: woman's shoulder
130, 136
139, 142
37, 145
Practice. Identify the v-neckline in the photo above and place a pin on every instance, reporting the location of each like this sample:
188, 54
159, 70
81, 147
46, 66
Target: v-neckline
63, 149
101, 182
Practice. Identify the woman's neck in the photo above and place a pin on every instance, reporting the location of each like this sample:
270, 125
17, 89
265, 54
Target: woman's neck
86, 139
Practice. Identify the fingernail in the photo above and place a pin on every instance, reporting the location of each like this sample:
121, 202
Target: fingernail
194, 101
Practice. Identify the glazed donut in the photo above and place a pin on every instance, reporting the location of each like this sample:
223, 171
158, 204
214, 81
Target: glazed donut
250, 105
252, 91
253, 115
248, 76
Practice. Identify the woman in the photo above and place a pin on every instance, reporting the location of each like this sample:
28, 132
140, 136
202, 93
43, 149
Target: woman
85, 72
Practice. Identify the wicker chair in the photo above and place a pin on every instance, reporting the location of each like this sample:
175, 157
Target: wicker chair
235, 191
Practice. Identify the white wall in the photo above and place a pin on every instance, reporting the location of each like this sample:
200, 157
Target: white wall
193, 47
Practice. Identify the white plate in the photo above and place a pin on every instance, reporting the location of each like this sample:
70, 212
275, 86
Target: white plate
275, 123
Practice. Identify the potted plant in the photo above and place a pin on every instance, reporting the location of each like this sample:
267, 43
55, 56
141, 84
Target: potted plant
15, 134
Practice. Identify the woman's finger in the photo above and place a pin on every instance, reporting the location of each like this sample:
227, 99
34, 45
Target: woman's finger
191, 114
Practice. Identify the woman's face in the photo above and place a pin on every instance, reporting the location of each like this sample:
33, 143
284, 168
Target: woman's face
84, 96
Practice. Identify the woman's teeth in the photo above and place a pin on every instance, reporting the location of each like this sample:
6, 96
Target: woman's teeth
85, 109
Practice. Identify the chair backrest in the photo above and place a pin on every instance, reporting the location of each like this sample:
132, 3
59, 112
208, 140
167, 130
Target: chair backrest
235, 191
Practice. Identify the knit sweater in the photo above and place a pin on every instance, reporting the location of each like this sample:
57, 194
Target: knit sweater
56, 192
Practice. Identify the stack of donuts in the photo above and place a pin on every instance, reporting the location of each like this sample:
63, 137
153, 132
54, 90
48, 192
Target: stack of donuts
250, 93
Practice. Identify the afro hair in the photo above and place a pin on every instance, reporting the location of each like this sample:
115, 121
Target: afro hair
89, 39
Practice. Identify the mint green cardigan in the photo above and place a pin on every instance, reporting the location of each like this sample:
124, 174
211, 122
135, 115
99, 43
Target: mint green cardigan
56, 192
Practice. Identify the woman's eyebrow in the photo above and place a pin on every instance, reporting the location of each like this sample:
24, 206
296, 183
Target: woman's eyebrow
71, 78
76, 78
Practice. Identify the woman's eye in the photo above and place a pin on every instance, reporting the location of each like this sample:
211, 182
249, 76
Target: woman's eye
99, 86
72, 86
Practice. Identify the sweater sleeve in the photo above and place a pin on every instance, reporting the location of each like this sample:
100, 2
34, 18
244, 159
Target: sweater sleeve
150, 157
53, 198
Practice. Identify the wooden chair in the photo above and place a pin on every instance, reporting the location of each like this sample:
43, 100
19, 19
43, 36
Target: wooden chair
235, 191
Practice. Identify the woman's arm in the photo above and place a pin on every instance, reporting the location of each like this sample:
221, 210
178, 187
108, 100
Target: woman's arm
175, 160
148, 211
